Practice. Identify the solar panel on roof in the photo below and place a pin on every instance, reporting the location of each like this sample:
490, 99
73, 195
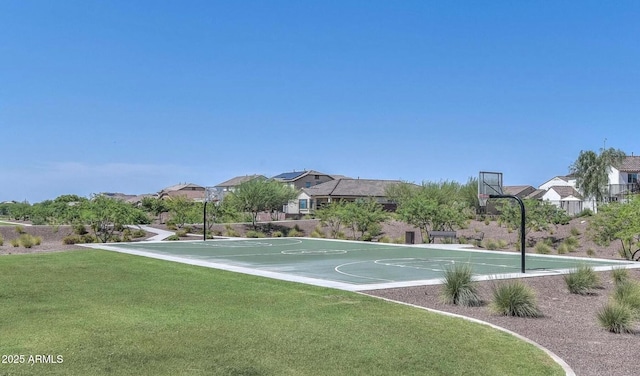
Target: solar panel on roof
289, 175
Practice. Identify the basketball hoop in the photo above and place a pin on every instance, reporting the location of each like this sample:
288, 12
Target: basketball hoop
489, 183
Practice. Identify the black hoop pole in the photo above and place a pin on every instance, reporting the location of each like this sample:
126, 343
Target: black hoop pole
204, 220
522, 226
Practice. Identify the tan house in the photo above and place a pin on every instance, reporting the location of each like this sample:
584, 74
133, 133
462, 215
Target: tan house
343, 189
303, 179
191, 191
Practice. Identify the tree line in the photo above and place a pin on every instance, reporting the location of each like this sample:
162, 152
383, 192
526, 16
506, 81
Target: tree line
430, 206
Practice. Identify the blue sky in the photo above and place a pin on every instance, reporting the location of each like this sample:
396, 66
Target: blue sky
134, 96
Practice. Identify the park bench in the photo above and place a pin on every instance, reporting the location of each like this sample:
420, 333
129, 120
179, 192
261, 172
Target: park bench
441, 234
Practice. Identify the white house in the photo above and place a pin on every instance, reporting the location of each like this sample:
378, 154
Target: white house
563, 192
623, 180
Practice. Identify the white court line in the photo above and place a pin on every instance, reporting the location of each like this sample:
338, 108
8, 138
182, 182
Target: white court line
337, 269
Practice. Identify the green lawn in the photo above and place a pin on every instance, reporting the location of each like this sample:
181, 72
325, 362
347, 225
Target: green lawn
116, 314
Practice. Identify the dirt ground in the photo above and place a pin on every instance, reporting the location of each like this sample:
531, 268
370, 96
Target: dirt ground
569, 327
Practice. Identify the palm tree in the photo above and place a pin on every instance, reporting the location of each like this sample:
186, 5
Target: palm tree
592, 171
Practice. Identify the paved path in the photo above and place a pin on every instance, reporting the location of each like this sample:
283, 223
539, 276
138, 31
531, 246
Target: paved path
161, 234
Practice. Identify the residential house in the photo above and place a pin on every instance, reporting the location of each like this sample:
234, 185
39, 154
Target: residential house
566, 198
342, 189
191, 191
231, 184
563, 192
623, 180
521, 191
303, 179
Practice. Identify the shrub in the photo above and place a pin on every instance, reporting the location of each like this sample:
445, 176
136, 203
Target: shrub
71, 239
563, 249
294, 232
1, 240
502, 244
317, 233
514, 298
575, 231
173, 237
616, 317
542, 248
384, 239
591, 252
458, 287
491, 244
277, 234
79, 229
88, 238
182, 233
582, 280
628, 293
398, 240
230, 231
572, 242
26, 240
585, 213
15, 242
139, 233
254, 234
19, 230
619, 275
37, 240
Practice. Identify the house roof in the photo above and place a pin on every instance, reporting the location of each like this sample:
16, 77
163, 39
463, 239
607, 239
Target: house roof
352, 188
181, 186
516, 190
295, 175
566, 191
537, 194
630, 164
233, 182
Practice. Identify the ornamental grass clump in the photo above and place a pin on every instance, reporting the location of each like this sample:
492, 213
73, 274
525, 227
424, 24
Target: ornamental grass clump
27, 240
616, 317
628, 293
514, 298
582, 280
459, 287
542, 248
619, 275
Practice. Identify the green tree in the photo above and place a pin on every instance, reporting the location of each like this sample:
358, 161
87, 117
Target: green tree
366, 216
154, 206
106, 215
332, 216
256, 196
219, 212
618, 221
592, 171
432, 206
539, 215
20, 211
182, 211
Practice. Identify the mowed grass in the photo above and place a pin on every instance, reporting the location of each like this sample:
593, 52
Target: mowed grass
115, 314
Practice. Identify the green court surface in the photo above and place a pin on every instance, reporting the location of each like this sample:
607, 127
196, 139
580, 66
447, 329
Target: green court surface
353, 265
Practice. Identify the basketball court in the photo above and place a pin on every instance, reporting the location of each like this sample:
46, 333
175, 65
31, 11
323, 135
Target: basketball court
351, 265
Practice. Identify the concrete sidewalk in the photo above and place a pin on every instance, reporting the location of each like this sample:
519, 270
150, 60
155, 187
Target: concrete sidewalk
161, 234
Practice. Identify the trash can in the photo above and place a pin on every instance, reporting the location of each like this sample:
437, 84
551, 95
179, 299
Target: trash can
410, 237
